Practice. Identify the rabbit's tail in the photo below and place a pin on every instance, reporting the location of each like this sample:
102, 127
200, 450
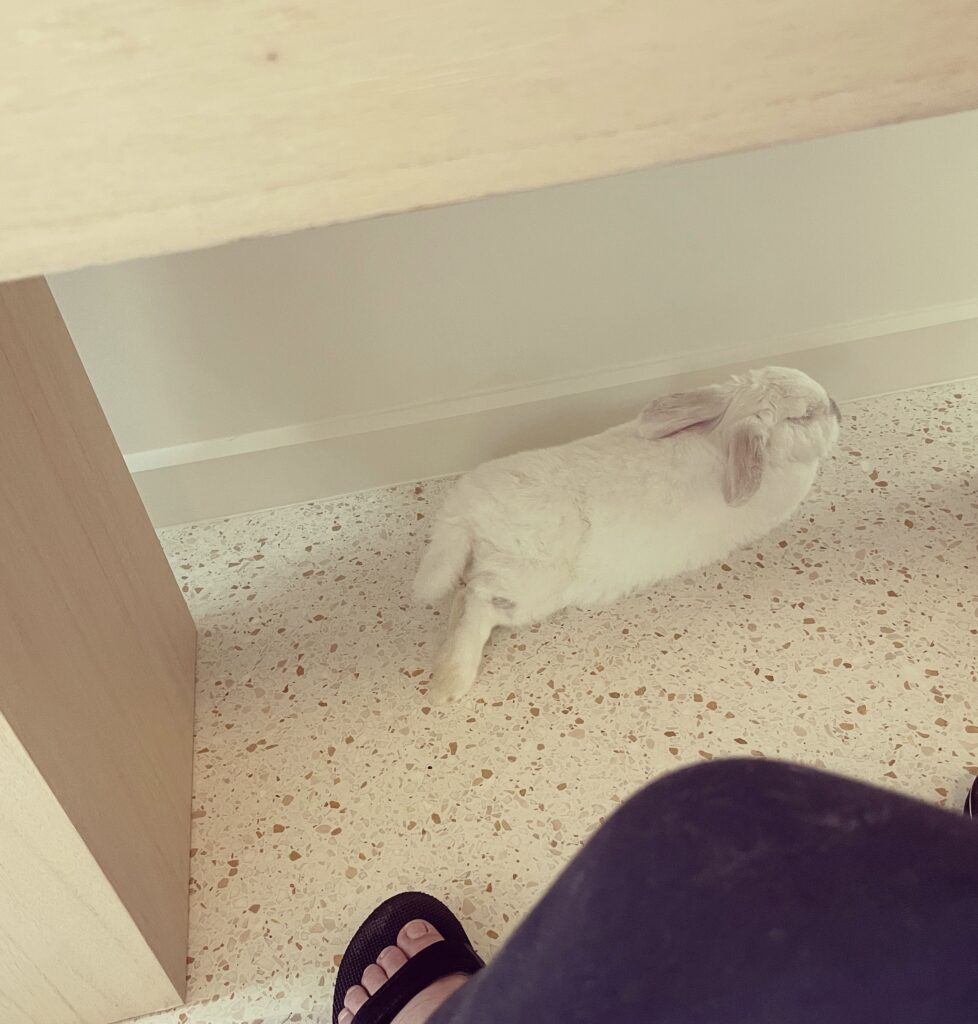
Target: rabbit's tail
443, 562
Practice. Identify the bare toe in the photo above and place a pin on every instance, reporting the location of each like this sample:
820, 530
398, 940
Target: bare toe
356, 996
373, 977
392, 960
417, 935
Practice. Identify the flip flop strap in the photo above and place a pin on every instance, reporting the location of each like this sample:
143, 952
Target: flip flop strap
432, 963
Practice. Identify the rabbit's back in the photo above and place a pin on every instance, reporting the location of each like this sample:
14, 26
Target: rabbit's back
585, 523
569, 524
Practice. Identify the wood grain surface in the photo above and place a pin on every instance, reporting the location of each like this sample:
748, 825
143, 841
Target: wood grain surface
147, 126
97, 647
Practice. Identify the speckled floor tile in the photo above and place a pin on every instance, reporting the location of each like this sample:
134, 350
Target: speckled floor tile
324, 782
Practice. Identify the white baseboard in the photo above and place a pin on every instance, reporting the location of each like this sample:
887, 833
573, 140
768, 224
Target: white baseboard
210, 479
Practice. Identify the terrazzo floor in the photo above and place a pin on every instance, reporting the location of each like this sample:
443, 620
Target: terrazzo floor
324, 781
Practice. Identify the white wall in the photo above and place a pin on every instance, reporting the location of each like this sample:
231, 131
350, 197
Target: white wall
670, 269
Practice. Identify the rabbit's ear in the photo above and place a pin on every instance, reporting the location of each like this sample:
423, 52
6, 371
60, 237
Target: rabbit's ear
671, 414
746, 456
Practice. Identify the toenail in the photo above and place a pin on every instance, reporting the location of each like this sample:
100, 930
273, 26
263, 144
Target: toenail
416, 930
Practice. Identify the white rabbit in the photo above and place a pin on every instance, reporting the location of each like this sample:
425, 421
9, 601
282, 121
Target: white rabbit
692, 478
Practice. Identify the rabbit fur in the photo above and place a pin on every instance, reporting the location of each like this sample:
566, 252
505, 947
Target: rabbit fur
695, 476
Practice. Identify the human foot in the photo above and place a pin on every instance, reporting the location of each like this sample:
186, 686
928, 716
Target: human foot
411, 939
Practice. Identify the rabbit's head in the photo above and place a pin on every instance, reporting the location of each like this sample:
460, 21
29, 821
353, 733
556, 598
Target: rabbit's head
760, 418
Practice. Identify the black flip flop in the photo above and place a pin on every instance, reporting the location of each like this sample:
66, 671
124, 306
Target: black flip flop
971, 801
453, 956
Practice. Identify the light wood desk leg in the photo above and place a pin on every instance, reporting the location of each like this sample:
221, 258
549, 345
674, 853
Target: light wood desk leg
96, 702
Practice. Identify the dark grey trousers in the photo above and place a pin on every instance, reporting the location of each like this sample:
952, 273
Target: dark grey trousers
748, 892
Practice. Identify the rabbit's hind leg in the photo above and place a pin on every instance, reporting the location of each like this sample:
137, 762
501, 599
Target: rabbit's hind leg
471, 621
